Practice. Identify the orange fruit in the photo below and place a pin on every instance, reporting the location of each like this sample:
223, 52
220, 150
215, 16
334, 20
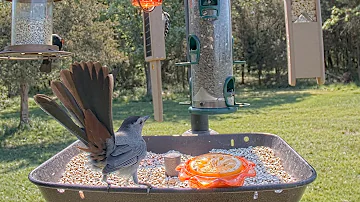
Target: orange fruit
215, 165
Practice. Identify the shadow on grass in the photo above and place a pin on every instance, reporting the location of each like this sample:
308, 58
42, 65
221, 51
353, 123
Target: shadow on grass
7, 132
34, 112
29, 155
174, 112
266, 99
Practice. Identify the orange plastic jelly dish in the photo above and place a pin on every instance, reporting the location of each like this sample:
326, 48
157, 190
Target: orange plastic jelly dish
215, 170
147, 3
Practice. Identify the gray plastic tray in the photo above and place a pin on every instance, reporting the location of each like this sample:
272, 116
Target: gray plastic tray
47, 175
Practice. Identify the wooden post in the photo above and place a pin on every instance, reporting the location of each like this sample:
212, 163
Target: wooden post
156, 84
154, 51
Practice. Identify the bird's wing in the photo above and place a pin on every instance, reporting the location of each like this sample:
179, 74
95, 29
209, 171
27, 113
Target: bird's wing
125, 155
53, 109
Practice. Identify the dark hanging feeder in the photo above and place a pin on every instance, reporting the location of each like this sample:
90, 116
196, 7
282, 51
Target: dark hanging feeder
31, 31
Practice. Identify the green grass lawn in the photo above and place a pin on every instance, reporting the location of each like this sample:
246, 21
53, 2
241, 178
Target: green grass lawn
321, 124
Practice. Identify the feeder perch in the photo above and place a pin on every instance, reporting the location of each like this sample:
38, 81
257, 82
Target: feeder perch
304, 40
31, 31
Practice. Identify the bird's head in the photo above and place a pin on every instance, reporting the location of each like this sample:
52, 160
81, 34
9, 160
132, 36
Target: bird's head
133, 125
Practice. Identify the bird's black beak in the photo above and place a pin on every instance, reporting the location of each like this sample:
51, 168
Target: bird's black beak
145, 118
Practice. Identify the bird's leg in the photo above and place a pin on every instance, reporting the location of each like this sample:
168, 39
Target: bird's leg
136, 181
127, 182
108, 182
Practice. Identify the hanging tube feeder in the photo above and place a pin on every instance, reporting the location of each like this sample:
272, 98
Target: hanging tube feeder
31, 31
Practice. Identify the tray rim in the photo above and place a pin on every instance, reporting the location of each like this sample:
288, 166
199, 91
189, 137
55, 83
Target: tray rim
139, 190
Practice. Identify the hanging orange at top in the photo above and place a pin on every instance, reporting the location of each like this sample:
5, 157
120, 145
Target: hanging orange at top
146, 4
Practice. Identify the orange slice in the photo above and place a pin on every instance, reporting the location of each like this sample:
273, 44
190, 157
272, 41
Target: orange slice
215, 170
215, 165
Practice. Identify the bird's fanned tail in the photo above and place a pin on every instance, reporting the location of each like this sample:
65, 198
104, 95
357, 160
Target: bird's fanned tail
68, 101
94, 86
53, 109
86, 92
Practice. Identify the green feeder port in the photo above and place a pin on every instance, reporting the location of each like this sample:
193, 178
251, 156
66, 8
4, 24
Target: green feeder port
209, 9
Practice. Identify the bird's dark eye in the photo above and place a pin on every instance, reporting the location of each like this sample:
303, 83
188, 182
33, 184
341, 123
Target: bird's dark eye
141, 122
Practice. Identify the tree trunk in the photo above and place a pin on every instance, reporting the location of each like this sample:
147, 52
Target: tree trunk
358, 61
148, 78
183, 73
24, 105
277, 74
259, 74
242, 74
9, 91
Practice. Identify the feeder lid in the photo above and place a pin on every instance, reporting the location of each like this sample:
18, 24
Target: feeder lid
215, 170
32, 52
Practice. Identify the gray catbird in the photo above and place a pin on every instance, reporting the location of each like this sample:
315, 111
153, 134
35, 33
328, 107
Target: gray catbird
86, 92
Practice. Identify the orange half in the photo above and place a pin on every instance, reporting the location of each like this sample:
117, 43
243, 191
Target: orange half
216, 170
215, 165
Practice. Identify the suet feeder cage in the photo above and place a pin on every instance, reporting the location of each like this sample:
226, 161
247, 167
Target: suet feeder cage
146, 5
31, 31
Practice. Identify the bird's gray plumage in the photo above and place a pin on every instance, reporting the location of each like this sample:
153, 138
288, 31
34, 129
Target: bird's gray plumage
128, 147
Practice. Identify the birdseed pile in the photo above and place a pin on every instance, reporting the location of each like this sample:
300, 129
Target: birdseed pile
269, 170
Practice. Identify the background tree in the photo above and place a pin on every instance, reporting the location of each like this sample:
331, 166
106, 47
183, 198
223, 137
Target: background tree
111, 32
88, 38
341, 31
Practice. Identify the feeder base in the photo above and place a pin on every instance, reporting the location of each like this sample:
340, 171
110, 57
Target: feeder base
32, 52
211, 111
199, 133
